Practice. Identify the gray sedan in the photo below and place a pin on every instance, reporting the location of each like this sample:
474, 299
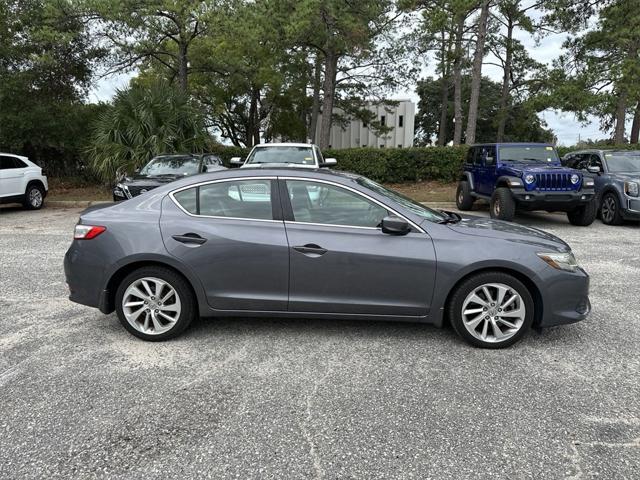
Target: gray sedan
316, 243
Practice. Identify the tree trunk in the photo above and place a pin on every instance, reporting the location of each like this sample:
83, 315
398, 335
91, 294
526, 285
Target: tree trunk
457, 84
329, 87
506, 82
315, 109
476, 74
621, 111
635, 127
444, 97
183, 63
251, 123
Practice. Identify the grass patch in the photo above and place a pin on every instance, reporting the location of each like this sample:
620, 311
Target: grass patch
427, 191
76, 189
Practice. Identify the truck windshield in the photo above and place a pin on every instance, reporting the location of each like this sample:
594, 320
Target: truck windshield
178, 165
529, 154
297, 155
623, 162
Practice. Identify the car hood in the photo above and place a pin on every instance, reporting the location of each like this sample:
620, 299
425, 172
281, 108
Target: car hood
519, 169
151, 179
512, 232
626, 176
276, 165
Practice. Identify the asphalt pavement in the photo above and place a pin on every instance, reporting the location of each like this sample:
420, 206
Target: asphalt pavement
255, 398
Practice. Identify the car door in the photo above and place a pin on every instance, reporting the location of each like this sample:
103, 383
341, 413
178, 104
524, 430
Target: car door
11, 176
341, 262
484, 164
231, 234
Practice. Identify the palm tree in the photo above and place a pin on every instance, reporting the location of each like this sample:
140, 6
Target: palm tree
144, 121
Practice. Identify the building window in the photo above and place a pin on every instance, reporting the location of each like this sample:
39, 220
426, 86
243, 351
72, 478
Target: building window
364, 124
381, 146
399, 145
401, 121
383, 120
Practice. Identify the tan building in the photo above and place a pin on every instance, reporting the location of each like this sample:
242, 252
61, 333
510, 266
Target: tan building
358, 134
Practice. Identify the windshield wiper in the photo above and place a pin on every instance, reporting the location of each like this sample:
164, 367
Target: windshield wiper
451, 217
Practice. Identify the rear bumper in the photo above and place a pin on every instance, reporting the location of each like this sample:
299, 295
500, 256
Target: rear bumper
565, 298
552, 201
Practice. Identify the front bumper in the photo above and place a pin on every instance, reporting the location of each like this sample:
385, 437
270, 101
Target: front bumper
632, 209
552, 201
565, 297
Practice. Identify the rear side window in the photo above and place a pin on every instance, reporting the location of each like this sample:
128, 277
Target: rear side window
250, 199
7, 163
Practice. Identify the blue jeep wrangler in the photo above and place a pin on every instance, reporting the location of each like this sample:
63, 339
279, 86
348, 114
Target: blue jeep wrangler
525, 176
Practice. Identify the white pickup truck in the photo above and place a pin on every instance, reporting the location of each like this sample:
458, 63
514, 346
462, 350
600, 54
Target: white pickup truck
299, 155
21, 181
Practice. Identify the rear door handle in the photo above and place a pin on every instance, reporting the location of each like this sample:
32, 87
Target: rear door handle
311, 249
189, 238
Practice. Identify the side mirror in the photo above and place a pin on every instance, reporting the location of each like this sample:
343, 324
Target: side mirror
393, 225
593, 169
329, 162
236, 161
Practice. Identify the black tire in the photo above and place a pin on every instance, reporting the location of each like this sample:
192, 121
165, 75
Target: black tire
583, 216
178, 283
33, 197
610, 211
464, 200
503, 206
472, 283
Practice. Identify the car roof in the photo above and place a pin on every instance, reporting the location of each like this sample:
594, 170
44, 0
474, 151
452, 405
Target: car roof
284, 144
14, 155
605, 150
517, 144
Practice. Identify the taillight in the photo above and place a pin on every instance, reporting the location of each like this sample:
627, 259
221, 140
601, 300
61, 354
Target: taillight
87, 232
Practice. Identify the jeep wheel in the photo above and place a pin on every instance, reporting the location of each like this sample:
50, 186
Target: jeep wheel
503, 206
610, 210
583, 216
464, 200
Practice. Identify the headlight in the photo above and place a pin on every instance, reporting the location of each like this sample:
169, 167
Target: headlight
529, 179
631, 188
575, 178
561, 261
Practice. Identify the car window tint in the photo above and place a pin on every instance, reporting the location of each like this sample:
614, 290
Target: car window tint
470, 155
249, 199
594, 161
187, 199
314, 202
7, 163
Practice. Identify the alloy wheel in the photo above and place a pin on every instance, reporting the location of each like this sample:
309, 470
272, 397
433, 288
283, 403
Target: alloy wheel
493, 312
35, 197
608, 209
151, 305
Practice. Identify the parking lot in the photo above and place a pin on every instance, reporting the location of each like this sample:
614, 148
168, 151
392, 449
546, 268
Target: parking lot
256, 398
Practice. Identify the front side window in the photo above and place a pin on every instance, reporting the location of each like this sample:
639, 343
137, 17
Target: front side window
623, 162
172, 165
250, 199
281, 155
314, 202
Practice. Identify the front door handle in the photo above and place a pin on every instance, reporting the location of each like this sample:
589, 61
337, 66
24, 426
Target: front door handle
311, 249
189, 238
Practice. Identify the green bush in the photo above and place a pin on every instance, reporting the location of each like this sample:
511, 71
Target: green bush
391, 165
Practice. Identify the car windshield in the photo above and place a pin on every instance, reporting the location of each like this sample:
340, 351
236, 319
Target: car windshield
178, 165
529, 154
297, 155
406, 202
623, 162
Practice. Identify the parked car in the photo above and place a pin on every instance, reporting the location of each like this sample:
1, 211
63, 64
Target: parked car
524, 176
164, 169
301, 155
617, 181
22, 181
255, 242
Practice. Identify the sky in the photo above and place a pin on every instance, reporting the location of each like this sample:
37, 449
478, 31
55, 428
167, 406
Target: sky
565, 125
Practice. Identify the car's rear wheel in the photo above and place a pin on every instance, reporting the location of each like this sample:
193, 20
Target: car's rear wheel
34, 197
583, 216
464, 200
503, 206
491, 310
155, 303
610, 212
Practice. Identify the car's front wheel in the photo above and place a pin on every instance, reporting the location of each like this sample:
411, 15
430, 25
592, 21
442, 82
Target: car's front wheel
34, 197
155, 303
491, 310
583, 216
503, 206
610, 210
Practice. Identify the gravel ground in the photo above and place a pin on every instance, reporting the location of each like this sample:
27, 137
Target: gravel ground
81, 398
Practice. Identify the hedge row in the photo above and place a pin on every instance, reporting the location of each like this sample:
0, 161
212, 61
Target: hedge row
392, 165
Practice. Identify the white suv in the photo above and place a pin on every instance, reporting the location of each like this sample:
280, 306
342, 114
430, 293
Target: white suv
21, 181
300, 155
